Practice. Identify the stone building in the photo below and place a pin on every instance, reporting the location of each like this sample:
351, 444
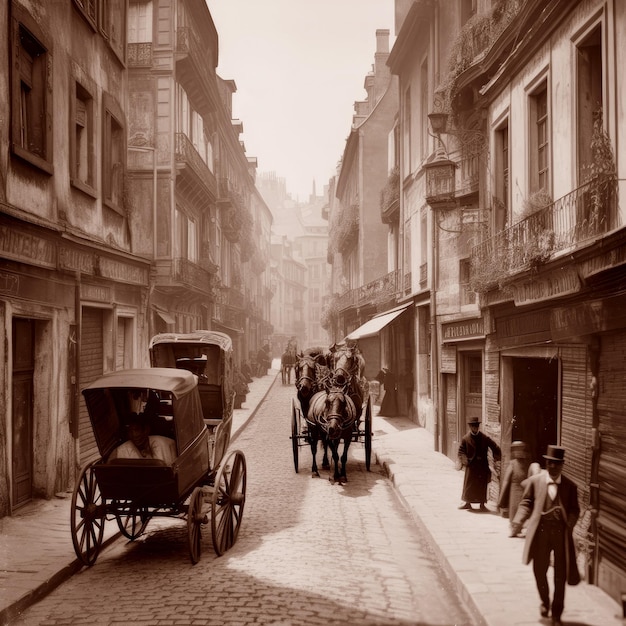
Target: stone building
127, 207
511, 171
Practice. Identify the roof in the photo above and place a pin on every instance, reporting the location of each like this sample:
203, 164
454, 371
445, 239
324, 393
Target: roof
177, 381
211, 337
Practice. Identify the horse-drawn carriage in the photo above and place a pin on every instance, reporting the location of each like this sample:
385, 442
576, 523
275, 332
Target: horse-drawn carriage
288, 360
332, 403
133, 483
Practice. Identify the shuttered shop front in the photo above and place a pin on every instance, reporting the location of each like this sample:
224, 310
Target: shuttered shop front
91, 367
612, 464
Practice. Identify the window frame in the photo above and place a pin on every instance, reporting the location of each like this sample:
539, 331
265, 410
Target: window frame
539, 145
111, 111
85, 89
24, 25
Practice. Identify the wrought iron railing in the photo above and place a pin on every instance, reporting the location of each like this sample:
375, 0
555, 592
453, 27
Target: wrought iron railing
569, 222
186, 152
139, 54
381, 290
191, 274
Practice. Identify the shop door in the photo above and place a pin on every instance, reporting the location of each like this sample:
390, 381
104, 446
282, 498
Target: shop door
22, 410
535, 404
91, 367
472, 388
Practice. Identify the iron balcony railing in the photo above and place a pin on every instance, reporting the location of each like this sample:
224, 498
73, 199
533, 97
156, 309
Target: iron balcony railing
191, 274
569, 222
380, 290
186, 153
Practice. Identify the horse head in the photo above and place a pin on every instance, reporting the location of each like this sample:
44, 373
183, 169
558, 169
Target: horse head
334, 411
349, 365
305, 376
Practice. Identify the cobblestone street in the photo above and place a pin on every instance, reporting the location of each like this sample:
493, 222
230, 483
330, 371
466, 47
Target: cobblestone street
309, 552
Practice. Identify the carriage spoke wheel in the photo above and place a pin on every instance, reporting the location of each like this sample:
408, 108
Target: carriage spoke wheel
229, 497
130, 520
368, 434
195, 517
295, 434
87, 516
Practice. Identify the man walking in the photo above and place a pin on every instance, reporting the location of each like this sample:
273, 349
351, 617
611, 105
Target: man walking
550, 500
473, 456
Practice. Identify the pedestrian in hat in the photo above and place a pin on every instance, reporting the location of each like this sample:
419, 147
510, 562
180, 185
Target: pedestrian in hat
550, 504
473, 456
511, 488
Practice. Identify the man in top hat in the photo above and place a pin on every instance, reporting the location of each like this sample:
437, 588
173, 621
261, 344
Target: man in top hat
473, 456
550, 503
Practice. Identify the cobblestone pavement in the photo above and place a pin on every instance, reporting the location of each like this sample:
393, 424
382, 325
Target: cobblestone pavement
309, 552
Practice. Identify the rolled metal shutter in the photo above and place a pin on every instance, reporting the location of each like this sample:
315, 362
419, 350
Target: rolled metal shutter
91, 367
612, 460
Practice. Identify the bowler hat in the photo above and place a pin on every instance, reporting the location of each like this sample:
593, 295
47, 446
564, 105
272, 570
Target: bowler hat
555, 453
473, 420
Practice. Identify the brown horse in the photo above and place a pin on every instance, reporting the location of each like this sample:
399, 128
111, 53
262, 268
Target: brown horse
311, 375
334, 413
337, 407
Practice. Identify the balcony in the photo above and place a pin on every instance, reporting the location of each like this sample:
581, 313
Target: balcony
196, 175
139, 54
344, 230
567, 224
181, 276
377, 292
390, 198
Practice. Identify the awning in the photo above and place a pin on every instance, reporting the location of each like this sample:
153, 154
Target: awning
376, 324
164, 315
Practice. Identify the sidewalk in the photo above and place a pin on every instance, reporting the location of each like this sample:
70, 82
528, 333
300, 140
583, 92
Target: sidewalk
474, 548
483, 563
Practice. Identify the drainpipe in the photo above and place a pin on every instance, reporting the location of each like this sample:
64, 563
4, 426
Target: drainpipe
75, 380
434, 339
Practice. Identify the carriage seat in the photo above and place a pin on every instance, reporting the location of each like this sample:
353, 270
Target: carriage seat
138, 462
211, 400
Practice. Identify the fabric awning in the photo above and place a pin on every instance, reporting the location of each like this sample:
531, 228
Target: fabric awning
165, 316
376, 324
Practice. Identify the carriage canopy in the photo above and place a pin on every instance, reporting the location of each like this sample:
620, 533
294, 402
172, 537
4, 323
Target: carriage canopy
171, 395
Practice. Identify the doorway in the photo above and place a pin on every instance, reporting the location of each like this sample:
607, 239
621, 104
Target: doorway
22, 410
535, 404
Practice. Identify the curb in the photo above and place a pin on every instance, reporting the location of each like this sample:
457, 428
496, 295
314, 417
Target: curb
240, 428
466, 597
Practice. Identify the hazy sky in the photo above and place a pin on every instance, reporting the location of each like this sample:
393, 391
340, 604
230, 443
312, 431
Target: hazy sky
299, 66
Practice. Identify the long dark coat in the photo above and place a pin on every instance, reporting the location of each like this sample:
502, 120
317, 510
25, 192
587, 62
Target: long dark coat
473, 455
531, 507
511, 489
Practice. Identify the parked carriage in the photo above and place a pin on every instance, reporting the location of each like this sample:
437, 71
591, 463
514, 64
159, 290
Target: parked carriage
330, 403
201, 486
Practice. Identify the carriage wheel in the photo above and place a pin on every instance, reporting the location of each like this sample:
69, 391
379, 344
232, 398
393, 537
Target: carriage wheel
194, 519
87, 516
368, 434
229, 497
131, 521
295, 434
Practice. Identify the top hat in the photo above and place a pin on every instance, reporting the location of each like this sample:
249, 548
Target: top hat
473, 421
555, 453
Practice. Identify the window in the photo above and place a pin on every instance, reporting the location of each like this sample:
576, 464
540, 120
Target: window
424, 109
31, 99
539, 140
113, 25
406, 115
88, 9
140, 22
467, 296
501, 198
82, 170
589, 78
114, 149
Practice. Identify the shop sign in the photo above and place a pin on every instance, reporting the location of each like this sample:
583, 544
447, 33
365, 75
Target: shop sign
603, 261
463, 330
557, 284
448, 360
586, 318
519, 330
26, 247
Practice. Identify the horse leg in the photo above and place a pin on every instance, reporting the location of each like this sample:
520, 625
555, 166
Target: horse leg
313, 437
334, 449
344, 459
325, 461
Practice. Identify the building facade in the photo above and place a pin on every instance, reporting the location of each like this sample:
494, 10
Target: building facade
510, 176
121, 170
